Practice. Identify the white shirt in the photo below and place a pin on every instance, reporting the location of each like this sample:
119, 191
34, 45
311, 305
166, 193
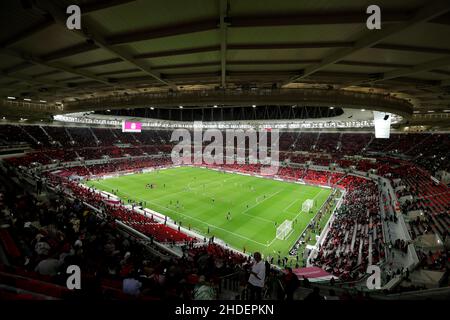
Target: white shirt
48, 267
260, 269
131, 286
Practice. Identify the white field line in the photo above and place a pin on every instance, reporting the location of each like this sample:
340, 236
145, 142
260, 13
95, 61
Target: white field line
212, 196
273, 240
296, 200
314, 215
160, 197
204, 184
292, 203
198, 220
318, 193
243, 212
180, 191
257, 204
249, 208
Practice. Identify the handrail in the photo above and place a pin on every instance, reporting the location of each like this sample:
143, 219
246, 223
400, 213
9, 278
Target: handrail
229, 281
22, 291
442, 293
100, 214
236, 273
21, 277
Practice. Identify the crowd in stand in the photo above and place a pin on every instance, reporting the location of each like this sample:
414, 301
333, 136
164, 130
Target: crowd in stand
421, 194
142, 223
314, 228
426, 149
433, 221
355, 236
52, 233
55, 143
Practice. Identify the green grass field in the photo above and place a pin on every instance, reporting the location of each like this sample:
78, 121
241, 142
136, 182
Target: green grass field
255, 204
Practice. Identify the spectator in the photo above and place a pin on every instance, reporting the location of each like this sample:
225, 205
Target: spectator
203, 290
257, 277
131, 286
42, 248
291, 283
48, 267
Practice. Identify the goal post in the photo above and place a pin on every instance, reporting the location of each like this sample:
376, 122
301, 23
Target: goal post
260, 198
284, 230
307, 205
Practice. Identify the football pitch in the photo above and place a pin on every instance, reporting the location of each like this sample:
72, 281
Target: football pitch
203, 199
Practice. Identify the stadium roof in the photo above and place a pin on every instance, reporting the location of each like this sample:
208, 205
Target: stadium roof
137, 46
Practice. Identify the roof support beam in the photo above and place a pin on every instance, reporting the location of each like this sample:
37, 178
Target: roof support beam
436, 9
313, 18
445, 73
299, 45
28, 32
12, 83
110, 73
283, 62
46, 74
60, 54
268, 62
98, 63
299, 19
397, 47
163, 32
423, 67
31, 80
403, 72
102, 5
211, 24
188, 65
18, 67
70, 51
372, 64
38, 61
260, 46
444, 19
90, 33
161, 54
223, 7
49, 21
336, 18
287, 46
85, 47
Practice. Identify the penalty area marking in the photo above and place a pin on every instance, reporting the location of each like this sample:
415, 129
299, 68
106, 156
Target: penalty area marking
292, 231
193, 218
243, 212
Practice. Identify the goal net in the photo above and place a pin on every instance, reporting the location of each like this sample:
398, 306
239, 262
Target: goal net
284, 229
307, 205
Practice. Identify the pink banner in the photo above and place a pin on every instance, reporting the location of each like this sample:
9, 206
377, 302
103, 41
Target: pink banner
112, 201
131, 126
311, 272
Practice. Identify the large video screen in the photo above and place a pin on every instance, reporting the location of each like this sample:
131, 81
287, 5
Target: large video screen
382, 122
131, 126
